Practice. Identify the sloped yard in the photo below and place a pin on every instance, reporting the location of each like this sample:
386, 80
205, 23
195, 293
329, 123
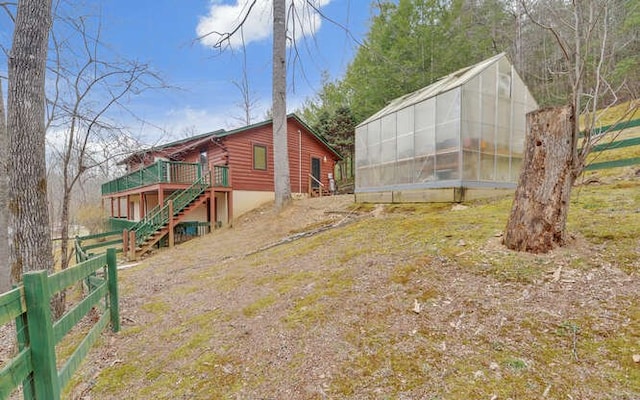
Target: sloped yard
397, 302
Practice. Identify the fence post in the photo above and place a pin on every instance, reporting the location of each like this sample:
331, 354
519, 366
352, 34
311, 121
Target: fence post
132, 246
43, 351
125, 242
112, 272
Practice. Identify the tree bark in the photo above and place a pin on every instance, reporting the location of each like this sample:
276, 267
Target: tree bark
280, 154
538, 217
29, 235
5, 271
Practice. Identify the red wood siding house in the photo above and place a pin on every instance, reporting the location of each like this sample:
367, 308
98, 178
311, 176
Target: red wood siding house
235, 166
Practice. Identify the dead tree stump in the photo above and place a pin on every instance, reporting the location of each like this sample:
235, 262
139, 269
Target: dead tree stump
538, 218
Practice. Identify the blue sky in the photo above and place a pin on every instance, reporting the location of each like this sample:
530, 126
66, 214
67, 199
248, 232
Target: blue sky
163, 33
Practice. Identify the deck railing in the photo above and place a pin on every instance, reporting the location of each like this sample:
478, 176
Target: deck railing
220, 176
165, 172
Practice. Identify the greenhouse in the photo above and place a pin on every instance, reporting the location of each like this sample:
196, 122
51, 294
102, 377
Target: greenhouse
460, 138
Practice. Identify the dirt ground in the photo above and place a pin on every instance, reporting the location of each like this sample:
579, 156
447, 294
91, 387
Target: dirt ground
374, 302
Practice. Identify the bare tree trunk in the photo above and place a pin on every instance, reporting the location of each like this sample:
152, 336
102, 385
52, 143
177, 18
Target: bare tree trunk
5, 271
280, 154
538, 217
30, 246
64, 230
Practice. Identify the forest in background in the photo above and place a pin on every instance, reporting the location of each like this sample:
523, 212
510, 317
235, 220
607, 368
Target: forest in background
412, 43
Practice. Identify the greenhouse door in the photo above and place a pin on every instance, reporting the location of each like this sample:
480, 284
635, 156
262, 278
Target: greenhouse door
315, 172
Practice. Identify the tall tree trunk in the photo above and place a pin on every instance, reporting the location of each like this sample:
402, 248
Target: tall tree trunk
538, 217
280, 154
64, 230
5, 271
29, 235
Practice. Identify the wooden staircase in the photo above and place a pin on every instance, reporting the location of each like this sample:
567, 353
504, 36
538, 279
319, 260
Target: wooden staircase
162, 219
321, 191
154, 238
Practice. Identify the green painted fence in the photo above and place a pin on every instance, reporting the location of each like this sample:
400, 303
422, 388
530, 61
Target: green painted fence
34, 367
90, 245
619, 144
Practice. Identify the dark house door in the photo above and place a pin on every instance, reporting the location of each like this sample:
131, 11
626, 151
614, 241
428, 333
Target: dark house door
315, 172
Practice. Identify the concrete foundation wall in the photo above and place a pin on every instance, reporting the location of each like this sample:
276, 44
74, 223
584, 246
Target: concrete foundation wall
440, 195
247, 200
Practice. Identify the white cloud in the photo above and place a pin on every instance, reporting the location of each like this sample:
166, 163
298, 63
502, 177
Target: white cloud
224, 18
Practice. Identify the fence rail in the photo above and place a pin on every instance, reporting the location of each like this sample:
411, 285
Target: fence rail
34, 367
614, 145
87, 246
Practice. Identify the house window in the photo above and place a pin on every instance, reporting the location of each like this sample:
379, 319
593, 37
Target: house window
260, 157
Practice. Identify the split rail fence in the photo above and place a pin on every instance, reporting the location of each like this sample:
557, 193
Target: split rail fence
614, 145
35, 365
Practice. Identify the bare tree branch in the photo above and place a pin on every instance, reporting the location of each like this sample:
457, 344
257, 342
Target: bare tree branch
225, 37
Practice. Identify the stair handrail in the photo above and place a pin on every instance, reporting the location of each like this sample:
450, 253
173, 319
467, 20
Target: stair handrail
314, 178
157, 207
152, 221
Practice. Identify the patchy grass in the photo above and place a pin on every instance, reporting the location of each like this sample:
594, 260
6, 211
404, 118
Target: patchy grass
333, 315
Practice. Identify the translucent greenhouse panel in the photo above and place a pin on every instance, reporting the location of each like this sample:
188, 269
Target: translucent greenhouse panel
504, 79
374, 154
519, 115
373, 136
448, 121
388, 151
519, 91
361, 178
405, 171
405, 138
447, 137
503, 169
470, 165
373, 142
470, 129
388, 135
488, 109
387, 174
447, 166
361, 146
388, 131
488, 139
448, 106
425, 128
487, 167
503, 132
405, 147
473, 84
470, 135
518, 130
471, 106
488, 80
504, 112
424, 169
